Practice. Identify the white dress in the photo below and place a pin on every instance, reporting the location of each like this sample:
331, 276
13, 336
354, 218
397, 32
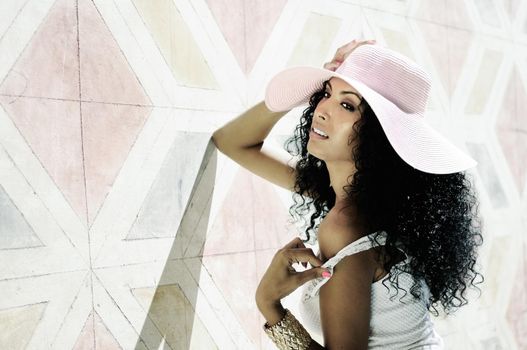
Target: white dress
393, 324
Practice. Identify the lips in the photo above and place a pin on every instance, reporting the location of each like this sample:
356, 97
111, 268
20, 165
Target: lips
318, 132
314, 135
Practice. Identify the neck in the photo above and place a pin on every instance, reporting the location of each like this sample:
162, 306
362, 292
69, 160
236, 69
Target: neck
339, 172
348, 215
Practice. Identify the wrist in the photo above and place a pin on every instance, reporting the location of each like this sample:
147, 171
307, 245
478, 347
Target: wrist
268, 305
263, 300
272, 312
288, 333
271, 113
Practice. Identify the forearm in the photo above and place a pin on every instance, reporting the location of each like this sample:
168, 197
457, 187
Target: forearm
274, 313
248, 129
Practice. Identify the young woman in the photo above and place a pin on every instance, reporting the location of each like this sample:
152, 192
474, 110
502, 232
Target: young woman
383, 193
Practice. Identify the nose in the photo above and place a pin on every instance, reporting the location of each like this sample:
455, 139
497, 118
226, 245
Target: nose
323, 108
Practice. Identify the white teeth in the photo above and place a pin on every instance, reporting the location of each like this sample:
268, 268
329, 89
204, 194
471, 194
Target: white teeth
320, 132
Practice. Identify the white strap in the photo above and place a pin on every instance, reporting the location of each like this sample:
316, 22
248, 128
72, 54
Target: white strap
363, 243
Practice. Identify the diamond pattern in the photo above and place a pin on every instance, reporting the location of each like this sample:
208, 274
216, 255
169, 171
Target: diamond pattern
121, 224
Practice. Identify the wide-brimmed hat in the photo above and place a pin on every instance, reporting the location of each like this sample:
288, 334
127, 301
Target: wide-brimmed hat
397, 90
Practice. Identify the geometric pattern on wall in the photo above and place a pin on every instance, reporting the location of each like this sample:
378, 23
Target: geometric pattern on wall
123, 227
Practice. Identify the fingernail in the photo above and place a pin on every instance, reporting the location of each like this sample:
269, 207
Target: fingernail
326, 274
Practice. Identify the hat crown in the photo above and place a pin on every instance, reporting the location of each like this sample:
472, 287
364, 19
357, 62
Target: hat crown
391, 74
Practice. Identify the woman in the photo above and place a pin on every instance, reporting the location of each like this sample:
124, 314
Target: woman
385, 196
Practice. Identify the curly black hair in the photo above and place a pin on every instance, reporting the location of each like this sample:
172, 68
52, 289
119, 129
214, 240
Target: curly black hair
433, 217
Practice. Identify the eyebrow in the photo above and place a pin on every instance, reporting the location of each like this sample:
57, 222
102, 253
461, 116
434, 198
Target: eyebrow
346, 92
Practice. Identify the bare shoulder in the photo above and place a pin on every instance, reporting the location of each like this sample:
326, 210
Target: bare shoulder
346, 297
335, 232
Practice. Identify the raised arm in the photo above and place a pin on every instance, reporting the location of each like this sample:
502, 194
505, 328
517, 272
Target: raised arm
242, 138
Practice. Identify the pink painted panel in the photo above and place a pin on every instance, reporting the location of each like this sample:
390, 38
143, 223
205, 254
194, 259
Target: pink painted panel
105, 73
52, 130
109, 132
49, 66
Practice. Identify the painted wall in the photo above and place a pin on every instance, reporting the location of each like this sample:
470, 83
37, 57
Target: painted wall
121, 226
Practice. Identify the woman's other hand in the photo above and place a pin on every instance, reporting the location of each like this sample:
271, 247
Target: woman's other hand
281, 278
343, 52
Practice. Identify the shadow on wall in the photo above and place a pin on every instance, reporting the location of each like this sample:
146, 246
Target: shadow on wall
177, 288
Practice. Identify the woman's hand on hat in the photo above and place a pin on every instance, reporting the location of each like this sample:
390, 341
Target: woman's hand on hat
344, 51
281, 278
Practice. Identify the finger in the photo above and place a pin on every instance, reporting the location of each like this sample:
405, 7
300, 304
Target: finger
303, 255
340, 55
341, 51
331, 66
295, 243
310, 274
353, 44
370, 42
346, 49
348, 44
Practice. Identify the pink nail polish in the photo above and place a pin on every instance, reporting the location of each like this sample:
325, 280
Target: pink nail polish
326, 274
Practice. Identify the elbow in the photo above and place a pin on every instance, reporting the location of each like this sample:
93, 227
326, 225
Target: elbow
216, 139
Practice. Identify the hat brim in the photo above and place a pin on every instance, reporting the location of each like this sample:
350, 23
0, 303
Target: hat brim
414, 140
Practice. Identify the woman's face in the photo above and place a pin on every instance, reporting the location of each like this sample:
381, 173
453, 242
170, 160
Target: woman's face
335, 115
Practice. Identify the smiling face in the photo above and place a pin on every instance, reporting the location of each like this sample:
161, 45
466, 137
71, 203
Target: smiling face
334, 116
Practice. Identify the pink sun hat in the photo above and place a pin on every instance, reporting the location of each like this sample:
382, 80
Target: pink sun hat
396, 88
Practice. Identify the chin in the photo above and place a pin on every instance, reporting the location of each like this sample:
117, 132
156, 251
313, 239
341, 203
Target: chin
314, 154
310, 150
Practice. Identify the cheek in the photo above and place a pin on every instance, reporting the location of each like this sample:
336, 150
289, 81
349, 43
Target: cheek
345, 135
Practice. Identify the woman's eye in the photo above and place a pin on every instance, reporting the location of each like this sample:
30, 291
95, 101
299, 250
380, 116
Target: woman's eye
350, 107
346, 105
